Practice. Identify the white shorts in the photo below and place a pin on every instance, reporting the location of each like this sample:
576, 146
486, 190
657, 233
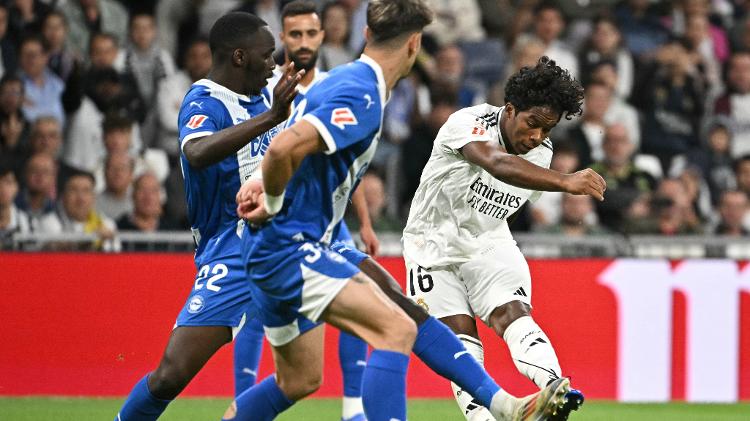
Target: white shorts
494, 277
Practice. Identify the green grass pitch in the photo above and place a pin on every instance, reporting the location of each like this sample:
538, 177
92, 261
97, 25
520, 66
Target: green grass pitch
186, 409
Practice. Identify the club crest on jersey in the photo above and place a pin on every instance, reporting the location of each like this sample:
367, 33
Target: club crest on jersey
342, 117
196, 121
196, 304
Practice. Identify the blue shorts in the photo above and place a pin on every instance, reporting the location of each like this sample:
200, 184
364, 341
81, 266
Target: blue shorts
221, 294
293, 285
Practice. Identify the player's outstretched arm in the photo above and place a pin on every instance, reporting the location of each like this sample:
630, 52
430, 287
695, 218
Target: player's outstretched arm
519, 172
366, 233
204, 151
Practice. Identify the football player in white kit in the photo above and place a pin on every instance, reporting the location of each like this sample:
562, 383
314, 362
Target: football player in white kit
461, 259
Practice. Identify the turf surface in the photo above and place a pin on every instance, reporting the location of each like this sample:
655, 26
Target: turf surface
185, 409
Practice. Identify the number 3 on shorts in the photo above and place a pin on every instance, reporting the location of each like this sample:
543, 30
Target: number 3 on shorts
424, 280
219, 271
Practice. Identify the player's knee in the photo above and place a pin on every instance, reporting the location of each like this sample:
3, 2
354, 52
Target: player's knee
167, 381
400, 333
298, 386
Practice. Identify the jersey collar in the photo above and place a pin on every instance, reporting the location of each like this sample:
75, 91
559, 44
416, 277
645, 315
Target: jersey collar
364, 58
215, 86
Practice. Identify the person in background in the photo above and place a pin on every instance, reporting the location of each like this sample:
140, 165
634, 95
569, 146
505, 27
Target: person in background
105, 53
149, 64
146, 215
42, 88
335, 49
606, 44
12, 219
625, 182
577, 219
588, 134
115, 201
549, 25
76, 213
62, 60
26, 17
39, 191
14, 128
735, 102
546, 210
671, 212
87, 17
733, 211
525, 53
455, 21
450, 65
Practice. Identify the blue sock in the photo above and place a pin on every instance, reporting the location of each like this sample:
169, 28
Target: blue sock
384, 386
353, 358
141, 405
262, 402
248, 346
437, 345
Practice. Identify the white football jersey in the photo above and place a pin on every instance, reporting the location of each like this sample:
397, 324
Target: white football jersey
459, 209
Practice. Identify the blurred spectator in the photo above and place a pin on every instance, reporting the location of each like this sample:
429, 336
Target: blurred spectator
76, 213
61, 59
703, 53
733, 211
673, 106
26, 17
697, 11
640, 26
270, 12
87, 17
714, 159
671, 212
104, 52
42, 88
105, 95
588, 134
147, 209
455, 21
172, 17
115, 200
577, 217
8, 59
625, 182
357, 24
335, 49
14, 128
619, 110
12, 219
118, 139
172, 90
697, 191
546, 210
741, 35
450, 66
416, 150
37, 197
45, 137
742, 173
549, 25
735, 103
606, 44
150, 64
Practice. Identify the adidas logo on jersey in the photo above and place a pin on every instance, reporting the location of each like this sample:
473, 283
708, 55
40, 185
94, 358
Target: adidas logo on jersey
520, 292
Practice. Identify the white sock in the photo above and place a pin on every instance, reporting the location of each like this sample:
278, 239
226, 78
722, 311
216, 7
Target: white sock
471, 410
532, 351
351, 407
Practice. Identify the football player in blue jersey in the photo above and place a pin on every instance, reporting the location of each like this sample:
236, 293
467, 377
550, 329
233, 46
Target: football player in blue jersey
298, 281
225, 128
301, 36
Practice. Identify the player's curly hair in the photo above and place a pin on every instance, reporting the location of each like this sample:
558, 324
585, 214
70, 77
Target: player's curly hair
545, 85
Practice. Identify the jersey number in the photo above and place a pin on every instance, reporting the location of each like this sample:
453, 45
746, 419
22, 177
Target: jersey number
219, 271
424, 280
314, 252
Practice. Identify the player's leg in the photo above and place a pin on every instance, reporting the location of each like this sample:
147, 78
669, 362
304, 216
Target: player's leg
248, 347
299, 371
362, 309
352, 359
499, 287
187, 351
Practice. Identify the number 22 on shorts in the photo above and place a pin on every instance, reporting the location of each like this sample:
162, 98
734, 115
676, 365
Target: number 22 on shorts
219, 271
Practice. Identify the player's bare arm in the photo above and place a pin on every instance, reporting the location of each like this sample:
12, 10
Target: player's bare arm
366, 232
519, 172
204, 151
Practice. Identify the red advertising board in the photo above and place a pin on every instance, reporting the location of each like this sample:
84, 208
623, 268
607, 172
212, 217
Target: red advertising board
634, 330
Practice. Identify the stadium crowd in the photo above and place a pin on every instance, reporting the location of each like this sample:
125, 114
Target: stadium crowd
90, 92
